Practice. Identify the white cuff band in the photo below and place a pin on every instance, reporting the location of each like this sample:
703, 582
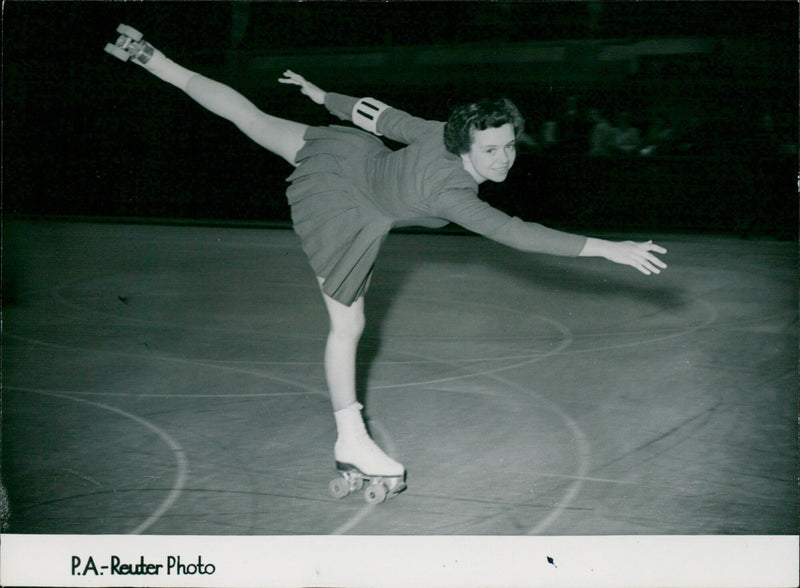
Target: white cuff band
366, 113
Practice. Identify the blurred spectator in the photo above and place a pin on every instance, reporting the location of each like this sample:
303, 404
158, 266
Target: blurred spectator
603, 138
549, 134
660, 137
628, 138
528, 142
574, 129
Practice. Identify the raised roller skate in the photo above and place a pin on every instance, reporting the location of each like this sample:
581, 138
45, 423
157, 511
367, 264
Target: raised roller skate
361, 462
130, 45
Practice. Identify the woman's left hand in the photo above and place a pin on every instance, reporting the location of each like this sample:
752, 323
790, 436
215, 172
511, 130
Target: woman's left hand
636, 255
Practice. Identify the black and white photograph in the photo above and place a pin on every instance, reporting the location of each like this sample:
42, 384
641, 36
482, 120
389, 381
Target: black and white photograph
400, 293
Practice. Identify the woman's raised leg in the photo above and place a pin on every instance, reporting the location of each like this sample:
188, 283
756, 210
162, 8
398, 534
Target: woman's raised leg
280, 136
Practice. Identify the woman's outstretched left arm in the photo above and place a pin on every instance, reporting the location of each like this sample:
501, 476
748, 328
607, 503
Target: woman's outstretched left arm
636, 255
463, 207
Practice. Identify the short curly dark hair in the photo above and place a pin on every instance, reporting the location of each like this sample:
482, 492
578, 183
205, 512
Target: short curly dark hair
478, 116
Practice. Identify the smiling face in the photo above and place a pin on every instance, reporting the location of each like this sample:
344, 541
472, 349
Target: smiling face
491, 154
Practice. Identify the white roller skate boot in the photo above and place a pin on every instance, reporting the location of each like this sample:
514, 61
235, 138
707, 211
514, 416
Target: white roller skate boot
360, 460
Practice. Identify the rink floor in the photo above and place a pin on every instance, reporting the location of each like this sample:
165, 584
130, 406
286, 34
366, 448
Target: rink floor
168, 380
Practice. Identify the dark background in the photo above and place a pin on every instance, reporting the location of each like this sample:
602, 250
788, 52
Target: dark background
86, 135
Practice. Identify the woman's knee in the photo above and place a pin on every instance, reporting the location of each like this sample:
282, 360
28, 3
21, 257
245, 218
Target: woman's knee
349, 324
345, 321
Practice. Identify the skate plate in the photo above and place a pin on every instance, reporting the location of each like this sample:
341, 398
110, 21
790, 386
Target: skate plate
378, 488
130, 45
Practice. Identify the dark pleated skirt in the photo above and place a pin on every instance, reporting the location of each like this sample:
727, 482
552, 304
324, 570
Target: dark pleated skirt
340, 228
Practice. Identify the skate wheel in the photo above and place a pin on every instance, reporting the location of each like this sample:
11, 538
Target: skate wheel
117, 52
356, 484
375, 494
339, 488
131, 32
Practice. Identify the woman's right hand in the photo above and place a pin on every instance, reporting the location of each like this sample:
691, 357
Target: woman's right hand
306, 87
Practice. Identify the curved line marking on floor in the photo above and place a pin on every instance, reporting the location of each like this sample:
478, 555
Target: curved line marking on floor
182, 464
362, 513
584, 459
584, 456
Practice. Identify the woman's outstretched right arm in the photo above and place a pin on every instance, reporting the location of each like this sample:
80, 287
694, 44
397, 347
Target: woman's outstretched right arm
369, 114
306, 87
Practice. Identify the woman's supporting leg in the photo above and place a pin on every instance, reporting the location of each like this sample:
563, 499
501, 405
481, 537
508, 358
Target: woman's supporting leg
280, 136
353, 445
346, 327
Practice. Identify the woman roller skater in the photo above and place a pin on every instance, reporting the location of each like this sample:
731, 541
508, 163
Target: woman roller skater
348, 190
